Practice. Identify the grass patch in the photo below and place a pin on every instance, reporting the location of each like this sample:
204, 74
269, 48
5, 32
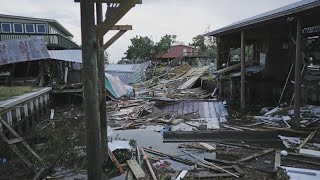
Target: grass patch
7, 92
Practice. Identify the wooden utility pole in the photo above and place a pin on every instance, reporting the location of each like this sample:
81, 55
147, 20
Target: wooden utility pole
243, 72
90, 90
101, 86
297, 82
93, 74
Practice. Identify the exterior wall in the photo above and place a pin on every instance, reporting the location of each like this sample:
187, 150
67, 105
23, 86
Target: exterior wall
177, 51
49, 28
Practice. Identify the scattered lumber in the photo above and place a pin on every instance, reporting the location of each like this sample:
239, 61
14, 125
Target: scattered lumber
145, 157
136, 169
115, 161
255, 155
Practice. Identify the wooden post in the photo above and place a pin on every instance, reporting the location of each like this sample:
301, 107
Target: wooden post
243, 73
90, 90
297, 84
101, 85
218, 53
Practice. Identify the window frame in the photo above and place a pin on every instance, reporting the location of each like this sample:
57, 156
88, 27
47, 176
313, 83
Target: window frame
25, 28
9, 25
14, 29
45, 28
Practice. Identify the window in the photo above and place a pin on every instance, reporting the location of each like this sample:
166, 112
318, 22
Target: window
29, 28
6, 27
17, 28
41, 28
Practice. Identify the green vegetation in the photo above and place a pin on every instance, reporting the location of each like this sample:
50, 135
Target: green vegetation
7, 92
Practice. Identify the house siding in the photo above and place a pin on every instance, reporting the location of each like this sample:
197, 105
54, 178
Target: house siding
177, 51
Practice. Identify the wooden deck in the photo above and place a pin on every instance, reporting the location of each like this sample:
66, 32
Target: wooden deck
23, 111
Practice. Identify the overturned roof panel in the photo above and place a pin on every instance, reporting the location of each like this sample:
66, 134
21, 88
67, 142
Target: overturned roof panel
128, 73
276, 13
66, 55
21, 50
115, 86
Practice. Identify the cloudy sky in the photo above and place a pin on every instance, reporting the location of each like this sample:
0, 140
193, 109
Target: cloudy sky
154, 18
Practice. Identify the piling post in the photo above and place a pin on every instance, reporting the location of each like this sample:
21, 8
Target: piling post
90, 90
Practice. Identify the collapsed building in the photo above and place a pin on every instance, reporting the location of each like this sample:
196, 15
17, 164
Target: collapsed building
279, 53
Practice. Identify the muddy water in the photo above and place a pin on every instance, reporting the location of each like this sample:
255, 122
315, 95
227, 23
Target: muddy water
154, 140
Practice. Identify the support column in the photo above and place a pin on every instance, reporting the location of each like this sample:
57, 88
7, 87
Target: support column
297, 84
218, 53
243, 73
90, 91
102, 91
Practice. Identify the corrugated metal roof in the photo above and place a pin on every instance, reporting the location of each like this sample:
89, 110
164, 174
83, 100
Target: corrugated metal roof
21, 50
128, 73
211, 111
115, 86
276, 13
121, 67
66, 55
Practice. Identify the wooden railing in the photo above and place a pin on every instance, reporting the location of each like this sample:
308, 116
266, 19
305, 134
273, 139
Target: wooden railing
55, 40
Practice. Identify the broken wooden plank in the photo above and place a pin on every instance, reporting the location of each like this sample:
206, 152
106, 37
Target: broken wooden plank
136, 169
210, 164
208, 146
266, 151
307, 139
182, 174
115, 161
145, 157
277, 160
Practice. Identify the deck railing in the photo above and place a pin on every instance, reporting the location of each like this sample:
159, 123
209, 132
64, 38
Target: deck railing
55, 40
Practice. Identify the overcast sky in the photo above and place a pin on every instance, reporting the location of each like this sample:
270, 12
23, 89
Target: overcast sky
154, 18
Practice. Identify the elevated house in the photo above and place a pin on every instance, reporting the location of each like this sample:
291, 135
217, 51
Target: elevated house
279, 53
16, 27
36, 51
178, 54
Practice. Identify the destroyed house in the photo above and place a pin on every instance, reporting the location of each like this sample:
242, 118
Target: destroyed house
272, 56
29, 62
16, 27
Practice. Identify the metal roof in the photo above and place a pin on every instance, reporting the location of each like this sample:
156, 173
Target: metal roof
121, 67
21, 50
276, 13
66, 55
50, 21
115, 86
211, 111
128, 73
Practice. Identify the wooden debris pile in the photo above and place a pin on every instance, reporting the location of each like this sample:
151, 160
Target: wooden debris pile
177, 84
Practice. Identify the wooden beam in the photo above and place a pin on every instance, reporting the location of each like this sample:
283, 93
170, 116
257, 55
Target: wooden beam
109, 1
122, 27
113, 17
113, 39
136, 169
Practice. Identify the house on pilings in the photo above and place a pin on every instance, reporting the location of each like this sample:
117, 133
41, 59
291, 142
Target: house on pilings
279, 56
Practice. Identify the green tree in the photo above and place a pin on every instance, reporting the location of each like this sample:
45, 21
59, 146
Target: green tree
205, 45
143, 48
199, 43
164, 44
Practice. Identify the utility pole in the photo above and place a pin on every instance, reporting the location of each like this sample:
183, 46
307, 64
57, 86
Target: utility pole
90, 90
101, 86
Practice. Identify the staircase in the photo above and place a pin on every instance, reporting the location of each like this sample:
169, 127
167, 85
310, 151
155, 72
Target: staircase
21, 148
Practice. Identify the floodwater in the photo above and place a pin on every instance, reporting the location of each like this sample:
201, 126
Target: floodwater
153, 140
